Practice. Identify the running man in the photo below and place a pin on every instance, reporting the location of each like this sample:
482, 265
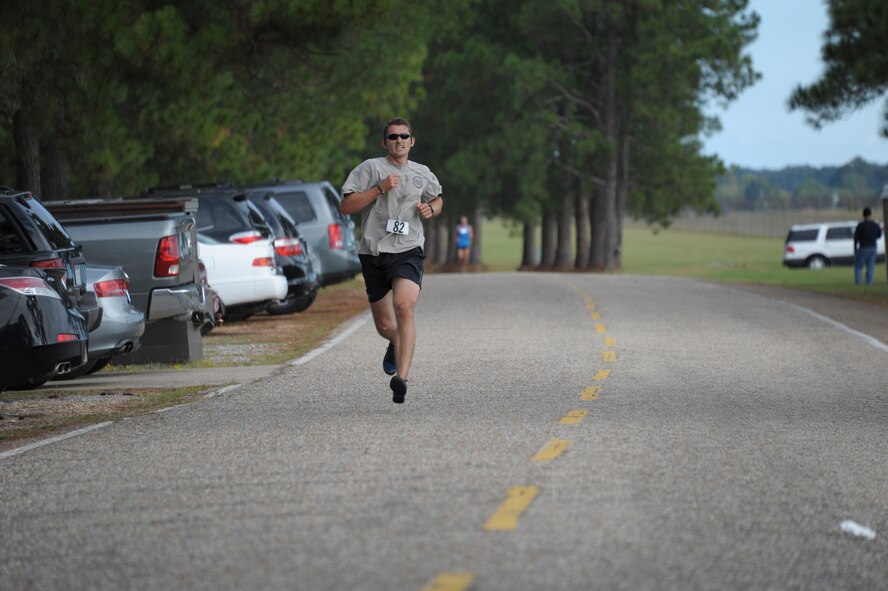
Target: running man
394, 196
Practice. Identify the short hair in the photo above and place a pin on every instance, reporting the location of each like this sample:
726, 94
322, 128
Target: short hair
867, 212
396, 121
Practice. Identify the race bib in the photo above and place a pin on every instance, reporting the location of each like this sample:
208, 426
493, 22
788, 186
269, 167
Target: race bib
397, 227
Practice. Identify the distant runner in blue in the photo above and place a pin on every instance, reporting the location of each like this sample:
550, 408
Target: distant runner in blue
464, 236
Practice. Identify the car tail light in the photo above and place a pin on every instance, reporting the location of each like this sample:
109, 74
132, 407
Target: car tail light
66, 337
263, 262
111, 288
288, 247
30, 286
790, 249
203, 271
334, 231
166, 263
55, 263
245, 237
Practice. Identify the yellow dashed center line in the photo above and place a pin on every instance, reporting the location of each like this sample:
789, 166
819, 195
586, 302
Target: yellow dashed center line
590, 393
551, 450
609, 356
517, 501
450, 582
602, 374
596, 316
600, 328
574, 417
610, 342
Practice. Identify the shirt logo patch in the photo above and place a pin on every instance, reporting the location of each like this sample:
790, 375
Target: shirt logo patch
417, 182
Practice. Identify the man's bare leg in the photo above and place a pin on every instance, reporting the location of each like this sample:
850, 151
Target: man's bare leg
393, 317
406, 294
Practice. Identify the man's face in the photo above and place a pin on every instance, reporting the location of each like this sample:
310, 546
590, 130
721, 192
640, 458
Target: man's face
398, 141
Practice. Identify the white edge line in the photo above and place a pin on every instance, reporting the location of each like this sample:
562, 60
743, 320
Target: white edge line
864, 337
332, 342
221, 391
30, 446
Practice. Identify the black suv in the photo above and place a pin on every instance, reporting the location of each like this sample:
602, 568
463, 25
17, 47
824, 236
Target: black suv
291, 255
330, 234
30, 236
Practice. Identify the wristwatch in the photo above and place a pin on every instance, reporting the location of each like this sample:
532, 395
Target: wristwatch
432, 209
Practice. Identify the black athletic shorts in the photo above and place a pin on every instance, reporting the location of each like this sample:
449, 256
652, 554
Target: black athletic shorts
379, 271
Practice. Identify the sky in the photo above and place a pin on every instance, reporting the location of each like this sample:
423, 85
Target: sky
759, 131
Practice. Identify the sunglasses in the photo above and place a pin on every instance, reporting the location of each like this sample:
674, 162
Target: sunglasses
394, 136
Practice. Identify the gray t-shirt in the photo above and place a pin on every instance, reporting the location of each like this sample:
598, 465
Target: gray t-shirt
417, 184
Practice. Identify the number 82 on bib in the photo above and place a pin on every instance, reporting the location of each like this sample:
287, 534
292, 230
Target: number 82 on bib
397, 227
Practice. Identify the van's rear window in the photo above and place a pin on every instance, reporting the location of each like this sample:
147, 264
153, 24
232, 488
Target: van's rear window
802, 235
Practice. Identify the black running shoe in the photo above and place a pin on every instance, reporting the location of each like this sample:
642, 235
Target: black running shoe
399, 389
388, 362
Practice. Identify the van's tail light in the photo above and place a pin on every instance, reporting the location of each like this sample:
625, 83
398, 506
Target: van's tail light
166, 263
334, 231
288, 247
245, 237
66, 337
263, 262
111, 288
790, 249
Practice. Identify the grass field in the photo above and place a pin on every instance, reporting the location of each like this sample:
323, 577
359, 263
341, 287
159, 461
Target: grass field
703, 256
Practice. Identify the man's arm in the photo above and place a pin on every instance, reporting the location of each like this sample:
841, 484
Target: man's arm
431, 208
354, 202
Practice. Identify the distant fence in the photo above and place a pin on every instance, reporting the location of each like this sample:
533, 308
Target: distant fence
768, 224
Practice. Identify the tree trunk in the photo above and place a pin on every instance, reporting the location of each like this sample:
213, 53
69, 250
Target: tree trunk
581, 218
27, 152
431, 241
550, 237
563, 261
528, 255
598, 226
442, 240
622, 189
609, 194
475, 253
54, 172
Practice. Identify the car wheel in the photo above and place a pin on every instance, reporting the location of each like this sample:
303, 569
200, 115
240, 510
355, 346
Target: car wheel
816, 262
98, 365
293, 304
236, 315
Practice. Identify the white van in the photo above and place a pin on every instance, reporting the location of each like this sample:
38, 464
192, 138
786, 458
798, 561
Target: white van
819, 245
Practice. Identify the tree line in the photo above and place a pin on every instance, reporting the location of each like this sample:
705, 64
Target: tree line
562, 115
852, 186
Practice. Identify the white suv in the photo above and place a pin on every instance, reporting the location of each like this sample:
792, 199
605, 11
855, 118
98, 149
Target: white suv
818, 245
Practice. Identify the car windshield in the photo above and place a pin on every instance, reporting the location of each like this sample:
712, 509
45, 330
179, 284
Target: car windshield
10, 241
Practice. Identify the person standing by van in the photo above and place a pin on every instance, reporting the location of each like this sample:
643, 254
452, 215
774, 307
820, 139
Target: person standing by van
394, 195
866, 235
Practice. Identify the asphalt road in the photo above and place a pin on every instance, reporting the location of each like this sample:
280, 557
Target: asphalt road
560, 432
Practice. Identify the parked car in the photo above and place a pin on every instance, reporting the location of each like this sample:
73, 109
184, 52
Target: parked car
291, 255
155, 242
122, 323
31, 236
41, 332
244, 275
329, 234
820, 245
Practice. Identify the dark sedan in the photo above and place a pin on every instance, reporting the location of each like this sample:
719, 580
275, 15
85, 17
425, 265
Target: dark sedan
41, 332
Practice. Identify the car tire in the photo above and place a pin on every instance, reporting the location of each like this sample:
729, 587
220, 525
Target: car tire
296, 303
30, 384
817, 262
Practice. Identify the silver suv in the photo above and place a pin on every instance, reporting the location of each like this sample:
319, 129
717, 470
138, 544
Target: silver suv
820, 245
329, 234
